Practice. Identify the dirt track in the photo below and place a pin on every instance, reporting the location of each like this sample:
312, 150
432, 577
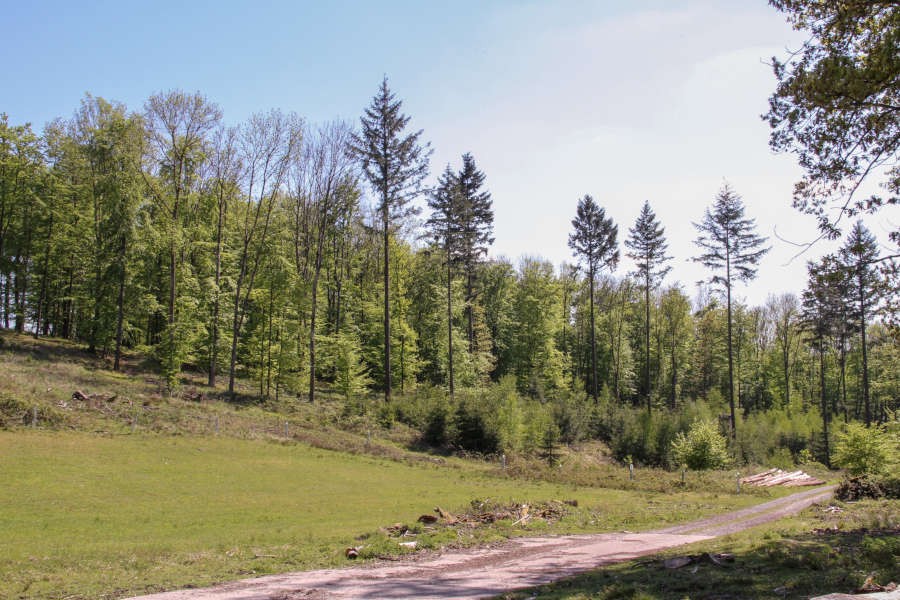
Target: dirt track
483, 572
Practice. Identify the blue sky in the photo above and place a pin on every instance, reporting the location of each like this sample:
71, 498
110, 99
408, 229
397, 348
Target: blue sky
626, 101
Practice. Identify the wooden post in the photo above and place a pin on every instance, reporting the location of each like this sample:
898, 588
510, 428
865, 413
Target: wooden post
683, 472
631, 471
504, 463
286, 430
739, 482
34, 416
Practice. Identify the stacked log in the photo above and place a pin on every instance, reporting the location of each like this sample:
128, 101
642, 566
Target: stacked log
774, 477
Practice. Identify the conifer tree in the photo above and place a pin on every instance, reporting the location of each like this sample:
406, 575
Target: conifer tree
395, 164
647, 244
857, 257
729, 243
476, 226
444, 226
820, 312
594, 243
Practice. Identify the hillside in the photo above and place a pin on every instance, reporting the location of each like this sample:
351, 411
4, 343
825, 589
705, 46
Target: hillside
97, 505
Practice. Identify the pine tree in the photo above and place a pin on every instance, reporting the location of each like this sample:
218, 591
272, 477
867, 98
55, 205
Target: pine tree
647, 244
395, 165
729, 243
594, 244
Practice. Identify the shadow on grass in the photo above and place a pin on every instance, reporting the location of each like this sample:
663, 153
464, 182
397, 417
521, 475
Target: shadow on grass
807, 565
47, 349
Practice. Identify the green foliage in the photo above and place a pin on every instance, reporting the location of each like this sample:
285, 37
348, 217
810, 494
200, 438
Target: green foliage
702, 448
351, 378
550, 444
865, 450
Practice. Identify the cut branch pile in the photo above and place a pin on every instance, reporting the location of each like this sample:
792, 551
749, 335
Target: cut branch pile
774, 477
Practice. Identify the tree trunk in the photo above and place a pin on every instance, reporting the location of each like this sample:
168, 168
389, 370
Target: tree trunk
469, 308
312, 330
121, 303
593, 338
387, 306
674, 373
449, 320
730, 358
647, 340
214, 349
824, 402
42, 297
269, 347
865, 358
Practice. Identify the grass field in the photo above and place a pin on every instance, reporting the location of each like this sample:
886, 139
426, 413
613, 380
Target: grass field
88, 516
135, 492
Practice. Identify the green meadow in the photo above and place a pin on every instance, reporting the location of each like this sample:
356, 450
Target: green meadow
100, 516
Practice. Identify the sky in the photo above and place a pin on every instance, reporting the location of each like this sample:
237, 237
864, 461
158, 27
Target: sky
625, 101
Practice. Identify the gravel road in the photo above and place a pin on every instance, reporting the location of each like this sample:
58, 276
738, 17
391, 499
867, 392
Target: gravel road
484, 572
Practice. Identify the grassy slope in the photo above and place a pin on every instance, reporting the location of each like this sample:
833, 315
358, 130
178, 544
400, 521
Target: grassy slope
91, 509
91, 516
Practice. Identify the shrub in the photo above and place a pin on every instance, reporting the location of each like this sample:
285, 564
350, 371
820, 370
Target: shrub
472, 431
549, 445
16, 412
436, 426
702, 448
864, 450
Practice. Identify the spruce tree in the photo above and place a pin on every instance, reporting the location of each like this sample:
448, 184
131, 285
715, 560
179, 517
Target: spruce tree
476, 226
729, 243
395, 163
857, 257
444, 227
820, 313
594, 243
647, 244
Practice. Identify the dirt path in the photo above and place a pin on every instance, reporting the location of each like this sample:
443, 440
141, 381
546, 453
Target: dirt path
483, 572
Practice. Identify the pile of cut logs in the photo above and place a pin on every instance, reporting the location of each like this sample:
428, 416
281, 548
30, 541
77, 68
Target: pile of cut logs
779, 477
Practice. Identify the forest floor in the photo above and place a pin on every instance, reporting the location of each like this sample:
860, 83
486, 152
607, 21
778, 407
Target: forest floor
129, 491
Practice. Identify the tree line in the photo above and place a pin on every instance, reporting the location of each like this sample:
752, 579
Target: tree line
250, 250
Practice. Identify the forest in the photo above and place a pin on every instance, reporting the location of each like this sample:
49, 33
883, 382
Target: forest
292, 257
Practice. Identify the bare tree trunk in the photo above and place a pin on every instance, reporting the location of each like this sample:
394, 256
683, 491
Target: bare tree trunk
824, 402
387, 307
43, 293
214, 349
469, 300
450, 318
269, 348
647, 339
312, 331
730, 364
121, 304
593, 338
865, 358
